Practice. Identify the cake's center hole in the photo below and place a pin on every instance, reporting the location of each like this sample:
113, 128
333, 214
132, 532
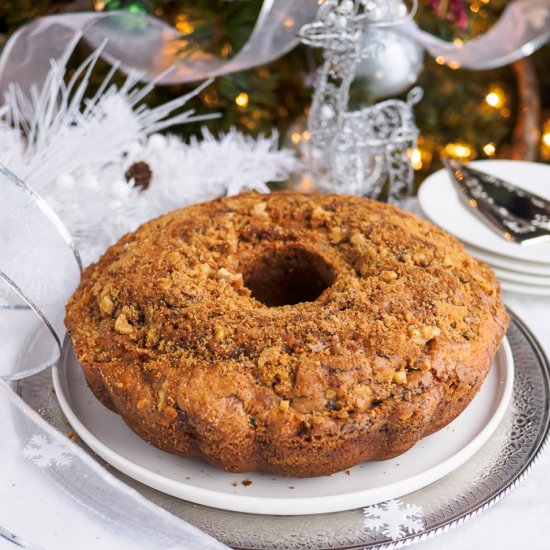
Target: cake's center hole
288, 276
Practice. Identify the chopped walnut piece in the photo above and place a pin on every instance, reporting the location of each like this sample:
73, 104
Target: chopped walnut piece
142, 403
425, 334
400, 377
259, 210
219, 332
170, 413
404, 410
122, 325
330, 394
152, 337
224, 273
388, 276
107, 305
268, 355
336, 235
284, 405
319, 213
165, 284
161, 399
358, 239
421, 259
202, 270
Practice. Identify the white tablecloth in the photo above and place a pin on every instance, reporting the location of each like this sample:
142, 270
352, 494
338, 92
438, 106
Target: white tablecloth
518, 521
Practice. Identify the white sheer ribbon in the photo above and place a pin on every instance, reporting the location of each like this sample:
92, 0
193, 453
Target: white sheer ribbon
523, 27
154, 44
39, 269
44, 463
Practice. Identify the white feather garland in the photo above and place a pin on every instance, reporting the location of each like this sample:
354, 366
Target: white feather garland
76, 152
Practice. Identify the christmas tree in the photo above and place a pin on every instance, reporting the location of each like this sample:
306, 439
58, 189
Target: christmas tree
484, 114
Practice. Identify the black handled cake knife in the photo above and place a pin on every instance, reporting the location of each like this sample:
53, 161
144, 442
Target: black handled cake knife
514, 213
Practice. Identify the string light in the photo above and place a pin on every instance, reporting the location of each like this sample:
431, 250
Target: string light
183, 24
489, 149
421, 156
545, 141
210, 98
440, 60
226, 50
242, 100
297, 137
495, 97
306, 184
474, 8
416, 159
289, 22
99, 5
459, 150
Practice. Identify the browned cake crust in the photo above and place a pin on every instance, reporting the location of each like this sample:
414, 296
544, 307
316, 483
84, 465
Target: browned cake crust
299, 334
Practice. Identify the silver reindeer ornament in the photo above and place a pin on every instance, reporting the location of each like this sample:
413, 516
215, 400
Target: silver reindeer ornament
357, 152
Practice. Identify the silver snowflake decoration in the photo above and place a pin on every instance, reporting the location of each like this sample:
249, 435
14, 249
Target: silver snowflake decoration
44, 452
356, 152
394, 519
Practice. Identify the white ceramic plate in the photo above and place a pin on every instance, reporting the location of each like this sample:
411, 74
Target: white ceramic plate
519, 288
197, 481
517, 266
440, 202
514, 277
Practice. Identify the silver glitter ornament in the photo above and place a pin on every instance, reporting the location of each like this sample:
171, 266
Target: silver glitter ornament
356, 152
395, 67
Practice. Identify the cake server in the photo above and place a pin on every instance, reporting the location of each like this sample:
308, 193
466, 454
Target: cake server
515, 214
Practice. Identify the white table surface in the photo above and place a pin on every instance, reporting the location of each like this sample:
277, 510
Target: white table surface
518, 521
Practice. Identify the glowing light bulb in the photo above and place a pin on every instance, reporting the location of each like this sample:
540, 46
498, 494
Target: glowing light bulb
226, 50
289, 22
495, 97
184, 25
242, 100
489, 149
458, 150
545, 141
416, 159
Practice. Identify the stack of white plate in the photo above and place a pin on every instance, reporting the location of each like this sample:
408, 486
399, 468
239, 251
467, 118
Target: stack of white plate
519, 268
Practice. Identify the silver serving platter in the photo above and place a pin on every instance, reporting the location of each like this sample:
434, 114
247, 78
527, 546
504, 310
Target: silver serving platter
490, 475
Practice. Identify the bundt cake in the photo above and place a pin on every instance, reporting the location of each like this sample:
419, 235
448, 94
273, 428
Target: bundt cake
294, 333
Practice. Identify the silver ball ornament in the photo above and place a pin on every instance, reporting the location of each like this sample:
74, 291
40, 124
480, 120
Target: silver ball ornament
394, 65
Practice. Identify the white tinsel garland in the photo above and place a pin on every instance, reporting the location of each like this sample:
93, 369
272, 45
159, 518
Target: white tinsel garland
76, 154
